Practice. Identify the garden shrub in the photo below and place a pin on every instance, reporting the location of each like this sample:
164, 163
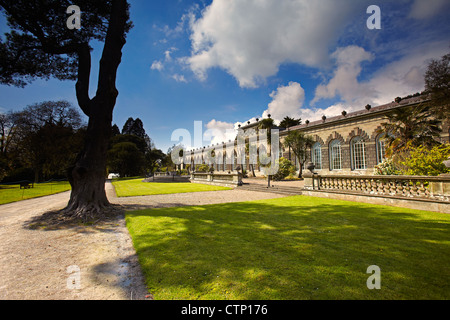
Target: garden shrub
427, 162
286, 168
387, 167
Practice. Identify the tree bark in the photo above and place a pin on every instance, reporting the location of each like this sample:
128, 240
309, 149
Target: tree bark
87, 177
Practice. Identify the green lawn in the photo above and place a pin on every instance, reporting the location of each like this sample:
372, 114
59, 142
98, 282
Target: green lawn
13, 193
292, 248
135, 187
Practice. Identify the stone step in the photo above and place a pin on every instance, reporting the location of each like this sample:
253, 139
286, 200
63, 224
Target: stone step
273, 189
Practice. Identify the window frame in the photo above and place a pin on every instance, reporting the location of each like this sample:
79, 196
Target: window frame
316, 152
335, 144
358, 148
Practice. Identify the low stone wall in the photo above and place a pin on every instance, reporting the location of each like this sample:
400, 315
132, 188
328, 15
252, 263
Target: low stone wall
164, 174
221, 179
419, 204
415, 192
163, 178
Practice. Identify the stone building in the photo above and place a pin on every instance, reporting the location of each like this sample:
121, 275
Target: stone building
344, 144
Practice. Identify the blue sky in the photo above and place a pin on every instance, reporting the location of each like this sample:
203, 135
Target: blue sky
225, 62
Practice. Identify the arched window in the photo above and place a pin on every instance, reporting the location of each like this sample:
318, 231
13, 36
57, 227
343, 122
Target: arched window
224, 161
316, 155
335, 155
381, 148
358, 152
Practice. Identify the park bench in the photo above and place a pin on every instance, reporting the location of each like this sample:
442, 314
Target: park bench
26, 185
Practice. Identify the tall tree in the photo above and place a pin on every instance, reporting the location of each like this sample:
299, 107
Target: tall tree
410, 128
266, 124
437, 83
126, 159
115, 130
299, 143
136, 128
46, 136
40, 45
290, 122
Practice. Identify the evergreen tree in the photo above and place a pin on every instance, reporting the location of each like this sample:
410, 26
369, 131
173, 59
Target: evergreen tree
40, 45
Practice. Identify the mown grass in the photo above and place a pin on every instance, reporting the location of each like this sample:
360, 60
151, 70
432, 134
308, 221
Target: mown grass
135, 187
292, 248
13, 193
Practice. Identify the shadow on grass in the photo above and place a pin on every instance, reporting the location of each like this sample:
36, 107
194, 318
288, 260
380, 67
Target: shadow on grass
292, 248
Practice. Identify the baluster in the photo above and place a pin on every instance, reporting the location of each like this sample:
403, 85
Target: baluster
372, 186
367, 185
364, 185
427, 189
404, 188
421, 188
409, 187
357, 184
414, 189
325, 183
398, 187
379, 186
392, 187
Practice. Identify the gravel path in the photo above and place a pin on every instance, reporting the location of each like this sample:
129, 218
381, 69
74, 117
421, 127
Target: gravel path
82, 263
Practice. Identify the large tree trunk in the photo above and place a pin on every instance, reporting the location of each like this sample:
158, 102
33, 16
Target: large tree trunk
87, 177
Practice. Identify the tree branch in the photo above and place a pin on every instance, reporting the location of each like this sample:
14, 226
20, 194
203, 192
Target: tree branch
84, 72
112, 52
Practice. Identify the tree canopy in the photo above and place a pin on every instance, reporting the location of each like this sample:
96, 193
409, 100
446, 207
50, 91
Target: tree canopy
40, 45
413, 127
43, 138
290, 122
299, 144
437, 83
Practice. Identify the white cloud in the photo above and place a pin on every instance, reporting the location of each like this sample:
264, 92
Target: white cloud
345, 80
157, 65
179, 78
250, 39
406, 75
398, 78
219, 131
425, 9
286, 101
289, 101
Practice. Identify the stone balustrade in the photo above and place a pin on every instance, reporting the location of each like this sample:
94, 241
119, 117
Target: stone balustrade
234, 179
433, 188
162, 174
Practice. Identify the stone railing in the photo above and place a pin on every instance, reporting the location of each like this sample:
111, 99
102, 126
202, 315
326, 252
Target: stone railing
163, 174
217, 178
435, 188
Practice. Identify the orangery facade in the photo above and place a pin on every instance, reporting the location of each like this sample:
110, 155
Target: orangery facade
346, 144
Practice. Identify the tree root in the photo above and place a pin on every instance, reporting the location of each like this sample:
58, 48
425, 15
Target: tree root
67, 217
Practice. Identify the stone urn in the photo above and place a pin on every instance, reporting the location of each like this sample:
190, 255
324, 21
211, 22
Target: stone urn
447, 162
310, 166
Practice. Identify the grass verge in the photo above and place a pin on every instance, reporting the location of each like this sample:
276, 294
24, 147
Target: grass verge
135, 187
292, 248
13, 193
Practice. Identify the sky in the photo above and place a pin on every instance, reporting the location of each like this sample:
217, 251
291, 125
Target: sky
226, 62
